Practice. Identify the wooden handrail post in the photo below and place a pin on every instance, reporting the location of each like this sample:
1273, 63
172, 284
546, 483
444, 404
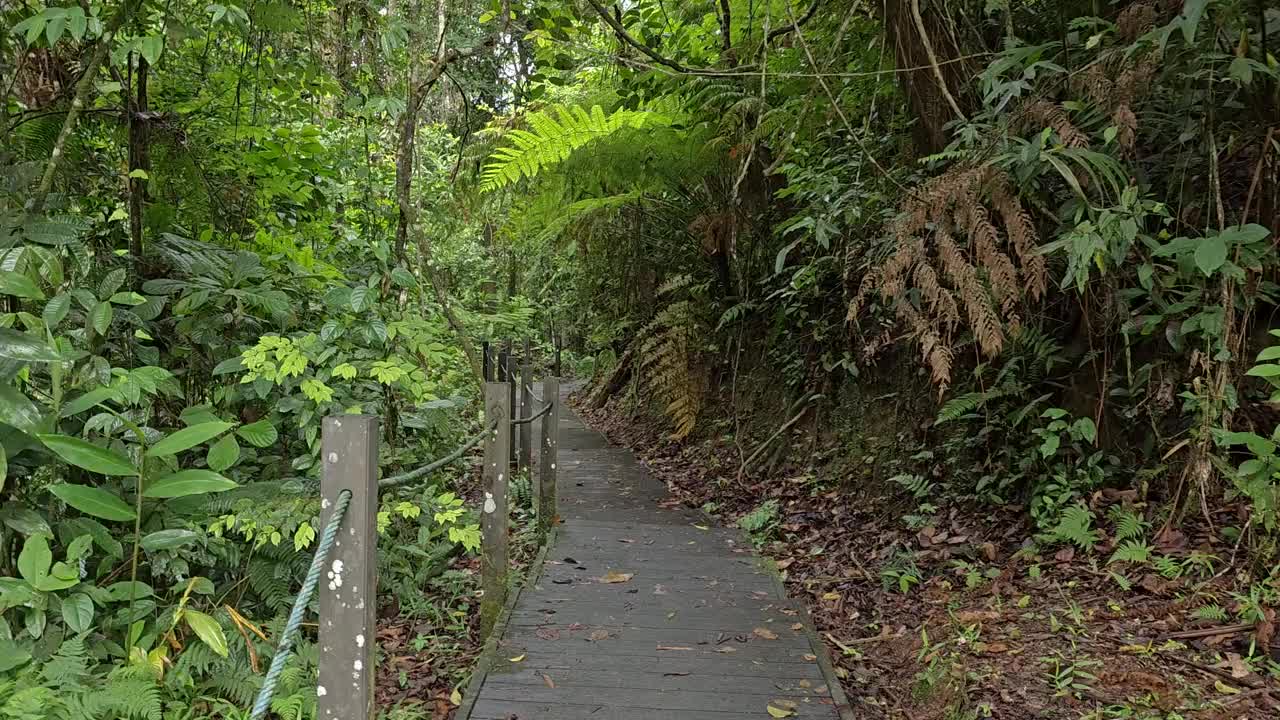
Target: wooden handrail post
509, 375
526, 409
547, 462
493, 511
487, 364
349, 589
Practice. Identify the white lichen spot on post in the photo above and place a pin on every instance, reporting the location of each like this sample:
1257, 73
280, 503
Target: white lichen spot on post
360, 640
489, 504
320, 691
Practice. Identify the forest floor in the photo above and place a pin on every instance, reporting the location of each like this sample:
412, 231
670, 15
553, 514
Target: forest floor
428, 648
982, 627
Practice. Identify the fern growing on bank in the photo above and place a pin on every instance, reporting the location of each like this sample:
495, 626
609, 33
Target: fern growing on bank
554, 135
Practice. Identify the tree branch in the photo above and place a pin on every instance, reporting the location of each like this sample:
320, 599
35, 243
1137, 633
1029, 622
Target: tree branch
793, 26
626, 37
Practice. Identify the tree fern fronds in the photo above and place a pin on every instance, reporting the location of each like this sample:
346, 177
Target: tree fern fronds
553, 137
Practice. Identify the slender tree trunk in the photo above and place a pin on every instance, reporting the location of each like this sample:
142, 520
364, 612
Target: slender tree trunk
139, 159
81, 95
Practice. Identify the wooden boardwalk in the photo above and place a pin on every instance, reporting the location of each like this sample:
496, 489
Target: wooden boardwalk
640, 613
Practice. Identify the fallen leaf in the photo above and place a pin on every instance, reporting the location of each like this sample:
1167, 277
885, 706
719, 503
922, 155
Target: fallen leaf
673, 647
1224, 688
831, 596
701, 527
797, 627
810, 657
805, 684
613, 576
547, 633
517, 658
779, 712
727, 649
598, 635
765, 633
456, 697
546, 679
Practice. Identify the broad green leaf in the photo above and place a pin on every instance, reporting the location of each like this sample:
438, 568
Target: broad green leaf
35, 559
16, 409
1270, 353
93, 501
151, 46
188, 482
1192, 11
223, 454
187, 438
1265, 371
4, 467
12, 655
127, 298
121, 591
25, 348
259, 434
18, 284
88, 456
207, 629
93, 398
100, 317
77, 612
169, 539
55, 311
1210, 254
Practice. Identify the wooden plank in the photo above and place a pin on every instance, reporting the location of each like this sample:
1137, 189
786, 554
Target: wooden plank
548, 456
506, 710
800, 684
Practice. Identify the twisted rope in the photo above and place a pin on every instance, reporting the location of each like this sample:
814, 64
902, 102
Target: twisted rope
536, 396
285, 649
412, 475
535, 416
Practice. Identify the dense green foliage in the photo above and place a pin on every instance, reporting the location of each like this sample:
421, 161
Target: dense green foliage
1046, 227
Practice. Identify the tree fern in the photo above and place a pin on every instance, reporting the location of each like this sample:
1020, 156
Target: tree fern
554, 135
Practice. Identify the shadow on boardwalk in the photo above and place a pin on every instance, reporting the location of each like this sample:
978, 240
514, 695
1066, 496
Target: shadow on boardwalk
640, 612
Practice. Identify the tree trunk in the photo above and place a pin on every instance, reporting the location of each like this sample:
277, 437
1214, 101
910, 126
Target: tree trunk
139, 159
926, 49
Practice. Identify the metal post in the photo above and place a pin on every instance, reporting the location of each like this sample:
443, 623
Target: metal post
349, 590
547, 456
493, 515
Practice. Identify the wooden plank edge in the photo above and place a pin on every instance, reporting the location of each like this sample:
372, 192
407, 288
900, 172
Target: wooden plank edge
490, 651
820, 649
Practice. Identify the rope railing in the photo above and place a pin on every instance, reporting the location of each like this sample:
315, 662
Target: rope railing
285, 648
431, 467
521, 421
529, 389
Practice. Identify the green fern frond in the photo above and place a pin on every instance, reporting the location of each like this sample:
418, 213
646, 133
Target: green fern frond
962, 405
554, 135
1210, 612
1076, 527
1132, 551
1129, 524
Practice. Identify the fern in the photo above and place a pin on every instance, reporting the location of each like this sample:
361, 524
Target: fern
1168, 567
667, 361
126, 695
1132, 551
962, 405
1210, 612
1129, 524
554, 135
1076, 527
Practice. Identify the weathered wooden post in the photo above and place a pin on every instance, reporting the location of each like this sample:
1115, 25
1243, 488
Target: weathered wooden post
349, 590
487, 364
547, 456
509, 375
493, 511
525, 461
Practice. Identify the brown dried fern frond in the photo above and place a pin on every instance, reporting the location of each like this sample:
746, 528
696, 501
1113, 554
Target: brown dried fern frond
1043, 113
1136, 20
